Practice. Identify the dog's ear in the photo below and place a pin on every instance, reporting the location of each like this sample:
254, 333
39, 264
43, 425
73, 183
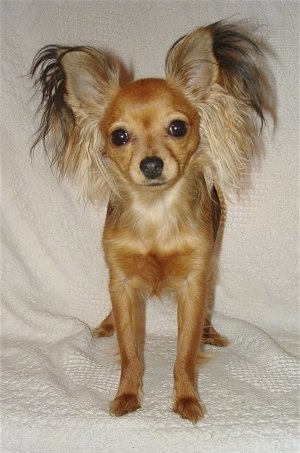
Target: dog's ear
76, 84
90, 77
191, 63
218, 68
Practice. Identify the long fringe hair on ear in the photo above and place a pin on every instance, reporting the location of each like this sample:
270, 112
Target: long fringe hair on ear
76, 84
218, 67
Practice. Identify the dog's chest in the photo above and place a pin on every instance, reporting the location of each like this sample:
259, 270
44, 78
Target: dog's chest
155, 245
157, 219
158, 222
161, 226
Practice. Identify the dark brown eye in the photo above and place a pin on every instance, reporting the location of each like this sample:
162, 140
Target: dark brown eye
119, 137
177, 128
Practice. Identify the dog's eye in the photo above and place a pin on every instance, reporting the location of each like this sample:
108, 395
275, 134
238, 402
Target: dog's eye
178, 128
119, 137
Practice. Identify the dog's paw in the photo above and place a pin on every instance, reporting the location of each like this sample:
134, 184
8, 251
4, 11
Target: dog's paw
218, 340
124, 403
190, 408
105, 330
211, 336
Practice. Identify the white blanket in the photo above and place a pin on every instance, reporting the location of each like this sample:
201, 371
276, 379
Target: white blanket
56, 379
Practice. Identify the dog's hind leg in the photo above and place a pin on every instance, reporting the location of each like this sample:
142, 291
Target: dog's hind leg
211, 336
106, 328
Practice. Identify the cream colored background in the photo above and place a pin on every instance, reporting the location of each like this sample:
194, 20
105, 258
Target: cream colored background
57, 381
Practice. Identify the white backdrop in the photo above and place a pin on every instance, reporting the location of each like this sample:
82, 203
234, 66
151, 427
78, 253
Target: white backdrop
56, 380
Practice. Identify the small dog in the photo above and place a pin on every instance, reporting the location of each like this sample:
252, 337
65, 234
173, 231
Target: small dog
166, 152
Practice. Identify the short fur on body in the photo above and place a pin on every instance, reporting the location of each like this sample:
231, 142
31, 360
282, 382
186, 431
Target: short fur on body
165, 152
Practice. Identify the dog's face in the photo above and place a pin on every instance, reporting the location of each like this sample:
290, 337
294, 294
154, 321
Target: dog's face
150, 131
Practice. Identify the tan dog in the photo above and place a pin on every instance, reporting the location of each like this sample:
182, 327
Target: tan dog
166, 151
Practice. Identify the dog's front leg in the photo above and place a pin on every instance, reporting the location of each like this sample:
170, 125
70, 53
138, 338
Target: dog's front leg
191, 313
128, 309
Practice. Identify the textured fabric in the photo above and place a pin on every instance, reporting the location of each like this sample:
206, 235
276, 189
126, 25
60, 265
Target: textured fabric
56, 379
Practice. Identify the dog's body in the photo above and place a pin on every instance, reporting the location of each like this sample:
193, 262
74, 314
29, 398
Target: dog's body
167, 150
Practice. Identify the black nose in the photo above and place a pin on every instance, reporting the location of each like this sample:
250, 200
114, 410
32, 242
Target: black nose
152, 167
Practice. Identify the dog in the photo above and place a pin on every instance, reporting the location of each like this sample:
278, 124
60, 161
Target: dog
166, 153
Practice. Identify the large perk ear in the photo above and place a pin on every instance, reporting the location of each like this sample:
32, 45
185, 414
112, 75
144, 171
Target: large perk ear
218, 69
76, 84
90, 78
191, 63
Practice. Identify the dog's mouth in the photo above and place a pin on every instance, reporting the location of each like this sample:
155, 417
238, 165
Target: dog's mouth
155, 184
162, 183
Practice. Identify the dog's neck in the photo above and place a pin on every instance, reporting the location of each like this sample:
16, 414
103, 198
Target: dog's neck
185, 205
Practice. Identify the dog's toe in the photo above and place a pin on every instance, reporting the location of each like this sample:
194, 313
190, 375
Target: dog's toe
190, 408
106, 330
123, 404
211, 336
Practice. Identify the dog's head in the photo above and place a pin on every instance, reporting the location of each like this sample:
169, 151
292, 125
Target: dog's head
146, 132
150, 131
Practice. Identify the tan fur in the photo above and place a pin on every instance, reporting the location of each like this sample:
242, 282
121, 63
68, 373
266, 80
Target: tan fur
163, 214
